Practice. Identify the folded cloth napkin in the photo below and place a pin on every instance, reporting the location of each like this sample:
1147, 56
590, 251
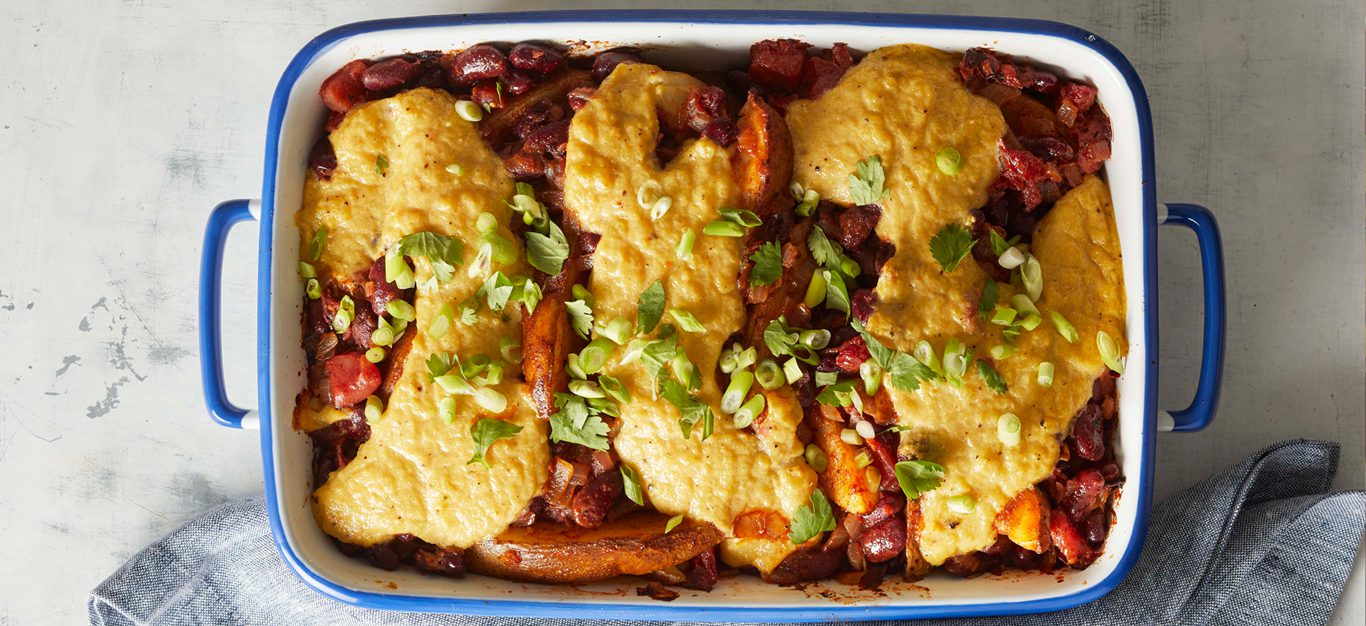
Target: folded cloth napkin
1258, 543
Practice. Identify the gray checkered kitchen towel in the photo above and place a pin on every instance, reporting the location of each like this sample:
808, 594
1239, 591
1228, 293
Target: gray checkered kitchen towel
1258, 543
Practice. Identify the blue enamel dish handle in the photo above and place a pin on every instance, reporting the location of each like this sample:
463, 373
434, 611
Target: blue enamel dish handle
221, 221
1201, 410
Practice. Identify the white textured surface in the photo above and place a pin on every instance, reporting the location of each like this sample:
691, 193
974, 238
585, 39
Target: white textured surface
121, 124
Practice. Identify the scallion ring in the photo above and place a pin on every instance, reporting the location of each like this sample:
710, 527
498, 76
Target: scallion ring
648, 193
1004, 316
1046, 374
510, 349
749, 411
949, 160
815, 457
1008, 429
1109, 352
827, 378
594, 355
851, 437
586, 389
400, 310
962, 505
1064, 327
687, 322
446, 409
454, 384
740, 384
685, 244
314, 289
768, 374
871, 373
1012, 258
306, 270
660, 207
375, 354
792, 370
1031, 274
442, 324
815, 290
468, 111
374, 408
722, 228
1002, 351
490, 399
346, 311
1021, 302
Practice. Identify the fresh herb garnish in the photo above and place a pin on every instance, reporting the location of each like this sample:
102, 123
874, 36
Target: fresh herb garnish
783, 340
485, 432
547, 251
768, 265
650, 307
831, 256
381, 164
991, 377
630, 482
813, 519
999, 245
315, 245
443, 252
690, 411
580, 317
903, 371
741, 217
918, 477
951, 245
673, 523
577, 422
837, 394
989, 297
836, 293
867, 186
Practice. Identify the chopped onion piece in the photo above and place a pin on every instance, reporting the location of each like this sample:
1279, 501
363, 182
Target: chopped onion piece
306, 270
1012, 258
486, 223
826, 378
1004, 316
814, 339
1031, 321
455, 168
863, 459
594, 355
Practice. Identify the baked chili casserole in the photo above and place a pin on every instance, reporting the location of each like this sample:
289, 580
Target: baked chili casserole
836, 314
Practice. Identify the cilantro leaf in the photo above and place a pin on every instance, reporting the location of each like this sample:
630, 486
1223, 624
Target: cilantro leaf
657, 355
813, 519
989, 297
991, 377
998, 243
906, 373
439, 363
485, 432
580, 317
547, 252
497, 289
576, 423
951, 245
826, 253
650, 307
443, 252
882, 355
837, 394
917, 477
836, 294
768, 265
779, 338
866, 187
630, 482
689, 409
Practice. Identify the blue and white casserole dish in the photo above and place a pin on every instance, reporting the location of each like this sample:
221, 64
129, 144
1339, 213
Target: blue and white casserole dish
692, 39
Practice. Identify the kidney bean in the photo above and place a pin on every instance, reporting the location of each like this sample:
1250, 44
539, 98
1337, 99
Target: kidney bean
1088, 439
884, 541
551, 138
322, 160
440, 561
476, 63
531, 57
851, 355
334, 121
1093, 528
487, 94
524, 165
517, 82
536, 116
605, 63
390, 74
861, 304
1067, 540
721, 130
700, 571
1084, 494
579, 96
352, 378
336, 444
857, 223
343, 89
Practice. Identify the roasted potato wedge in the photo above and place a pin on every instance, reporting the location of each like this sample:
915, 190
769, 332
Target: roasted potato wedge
763, 156
546, 343
398, 358
843, 480
1025, 521
635, 544
916, 565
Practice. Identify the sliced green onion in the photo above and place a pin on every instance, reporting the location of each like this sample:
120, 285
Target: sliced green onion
400, 310
1046, 374
1031, 321
582, 293
814, 339
490, 400
722, 228
374, 408
826, 378
375, 354
442, 324
306, 270
871, 373
851, 437
673, 523
949, 160
735, 358
586, 389
872, 476
383, 335
924, 352
486, 223
815, 457
850, 267
493, 377
740, 383
864, 428
1023, 304
397, 270
962, 504
1004, 316
315, 245
1012, 258
815, 290
863, 459
749, 411
660, 207
683, 369
1008, 429
792, 369
455, 168
648, 193
346, 311
616, 330
1109, 352
614, 388
1065, 328
314, 289
483, 261
594, 355
1031, 274
955, 366
685, 243
768, 374
510, 349
446, 409
686, 321
504, 251
1002, 351
454, 384
808, 203
740, 216
468, 111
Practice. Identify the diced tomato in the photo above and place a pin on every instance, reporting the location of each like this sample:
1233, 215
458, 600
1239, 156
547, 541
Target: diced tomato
777, 63
352, 379
851, 355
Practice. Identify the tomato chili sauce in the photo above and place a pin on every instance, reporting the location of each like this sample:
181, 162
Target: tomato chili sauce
530, 93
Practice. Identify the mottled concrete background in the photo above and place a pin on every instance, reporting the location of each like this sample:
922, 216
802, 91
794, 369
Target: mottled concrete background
123, 123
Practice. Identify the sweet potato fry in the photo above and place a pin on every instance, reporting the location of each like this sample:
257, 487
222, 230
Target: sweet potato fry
550, 553
763, 158
1025, 521
546, 342
398, 357
916, 565
842, 479
497, 125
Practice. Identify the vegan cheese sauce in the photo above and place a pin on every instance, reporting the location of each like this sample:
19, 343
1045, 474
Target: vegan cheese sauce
411, 476
610, 156
905, 103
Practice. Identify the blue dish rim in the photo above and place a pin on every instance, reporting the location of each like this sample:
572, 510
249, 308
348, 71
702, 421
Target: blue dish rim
663, 611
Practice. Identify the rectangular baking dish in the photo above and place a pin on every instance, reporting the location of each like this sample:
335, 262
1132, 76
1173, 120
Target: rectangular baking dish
700, 39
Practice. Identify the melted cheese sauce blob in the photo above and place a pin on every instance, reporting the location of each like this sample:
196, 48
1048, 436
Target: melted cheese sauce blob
906, 103
411, 476
611, 155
